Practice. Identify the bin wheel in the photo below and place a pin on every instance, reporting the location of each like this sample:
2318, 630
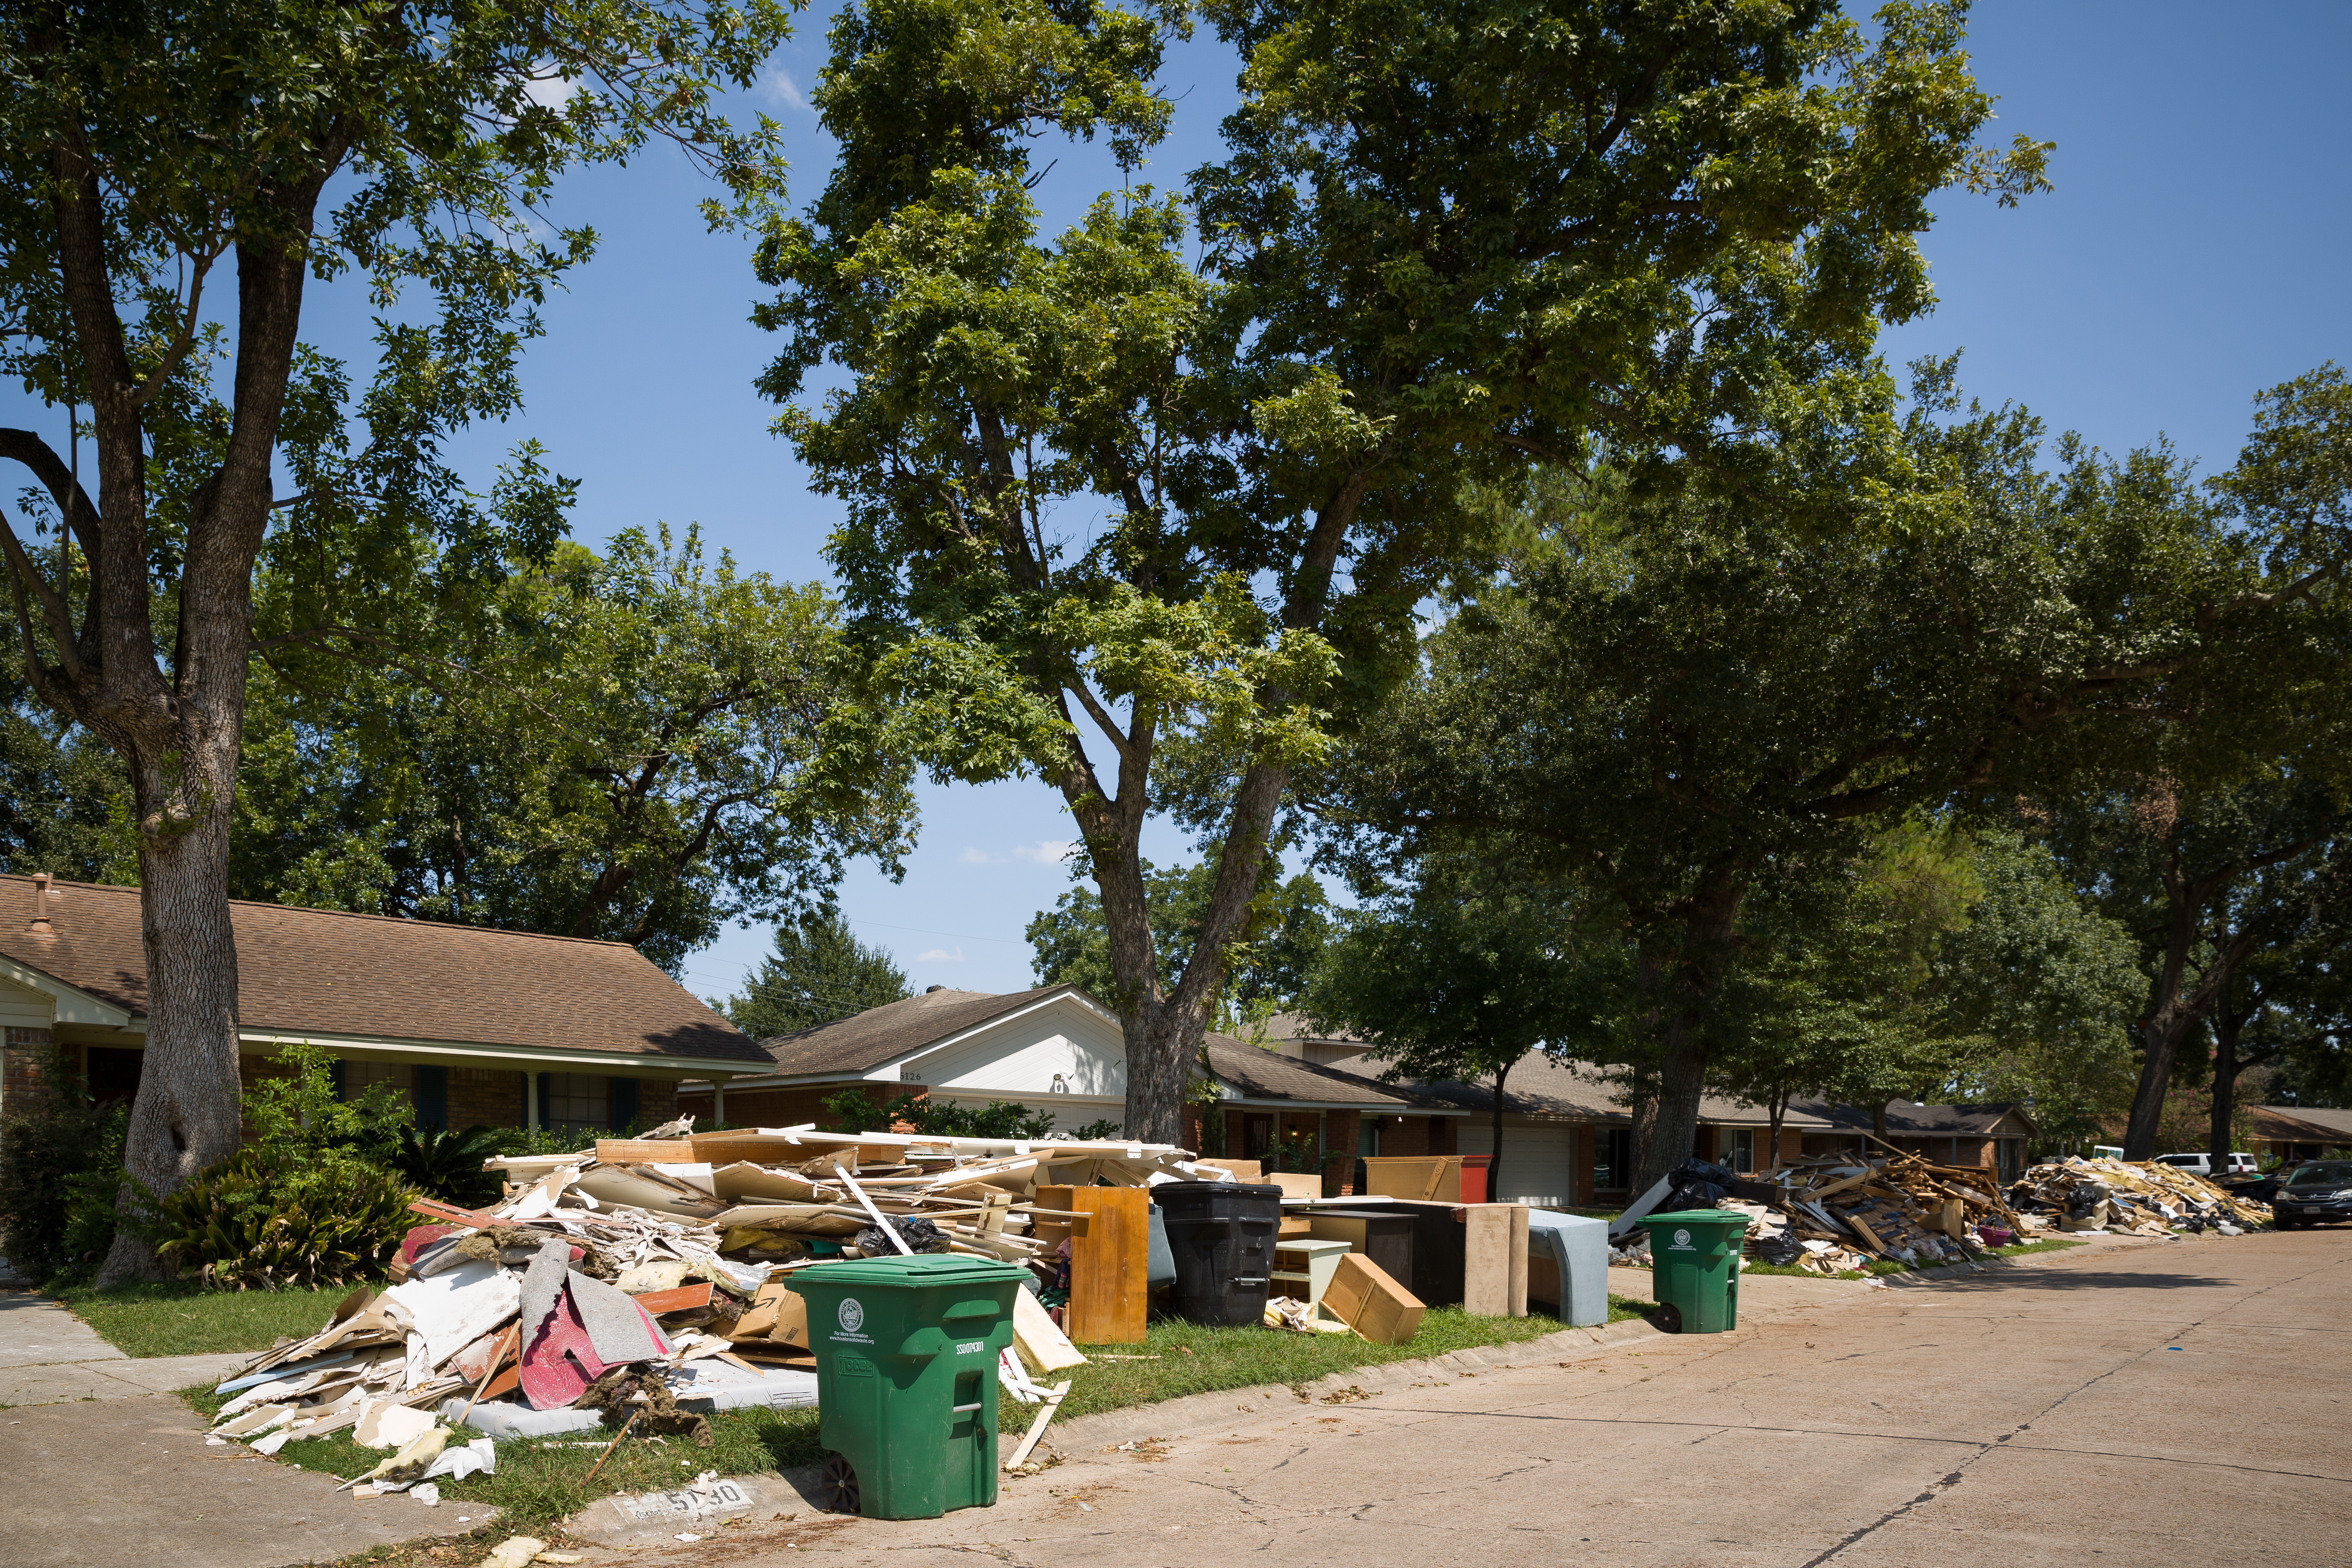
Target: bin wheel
840, 1485
1670, 1318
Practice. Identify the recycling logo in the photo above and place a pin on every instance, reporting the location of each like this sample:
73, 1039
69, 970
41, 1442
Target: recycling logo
851, 1316
1682, 1239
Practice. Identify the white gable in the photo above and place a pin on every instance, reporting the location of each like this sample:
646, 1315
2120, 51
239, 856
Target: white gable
22, 1008
1020, 1057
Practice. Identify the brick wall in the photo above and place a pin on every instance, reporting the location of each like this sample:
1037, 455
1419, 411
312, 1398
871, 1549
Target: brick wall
787, 1107
25, 1062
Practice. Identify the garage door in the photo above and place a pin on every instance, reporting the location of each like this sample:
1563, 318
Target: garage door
1539, 1159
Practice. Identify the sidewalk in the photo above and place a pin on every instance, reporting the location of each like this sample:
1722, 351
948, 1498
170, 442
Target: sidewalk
48, 1356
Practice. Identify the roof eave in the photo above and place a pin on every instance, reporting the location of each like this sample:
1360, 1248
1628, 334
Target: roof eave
540, 1055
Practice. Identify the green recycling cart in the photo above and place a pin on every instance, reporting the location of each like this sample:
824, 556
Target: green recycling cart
906, 1376
1695, 1268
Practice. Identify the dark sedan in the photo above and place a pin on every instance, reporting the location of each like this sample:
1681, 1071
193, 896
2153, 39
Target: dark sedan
2312, 1194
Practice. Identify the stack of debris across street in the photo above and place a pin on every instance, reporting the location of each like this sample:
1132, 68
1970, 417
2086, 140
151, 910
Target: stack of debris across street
1836, 1215
643, 1284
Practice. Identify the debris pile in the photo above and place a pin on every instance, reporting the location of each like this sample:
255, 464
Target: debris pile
645, 1282
1834, 1216
2110, 1196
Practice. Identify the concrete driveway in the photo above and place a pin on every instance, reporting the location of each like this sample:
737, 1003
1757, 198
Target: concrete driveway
2137, 1402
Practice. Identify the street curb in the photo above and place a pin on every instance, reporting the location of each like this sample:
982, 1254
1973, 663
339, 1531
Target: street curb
1110, 1427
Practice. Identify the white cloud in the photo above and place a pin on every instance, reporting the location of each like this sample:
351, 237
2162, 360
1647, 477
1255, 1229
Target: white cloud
552, 91
976, 857
781, 85
940, 955
1046, 851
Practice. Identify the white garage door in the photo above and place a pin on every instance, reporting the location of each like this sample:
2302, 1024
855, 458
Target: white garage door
1539, 1159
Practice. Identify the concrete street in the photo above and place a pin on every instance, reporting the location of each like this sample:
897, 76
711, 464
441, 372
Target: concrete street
2134, 1402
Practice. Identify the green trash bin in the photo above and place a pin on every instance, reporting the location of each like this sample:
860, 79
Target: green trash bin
1695, 1268
906, 1378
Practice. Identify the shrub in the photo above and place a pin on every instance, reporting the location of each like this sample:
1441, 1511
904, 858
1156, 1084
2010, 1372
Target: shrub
258, 1221
852, 1111
448, 1165
60, 1169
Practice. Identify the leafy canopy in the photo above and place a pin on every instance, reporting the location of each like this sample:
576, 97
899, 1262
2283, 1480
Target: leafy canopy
819, 971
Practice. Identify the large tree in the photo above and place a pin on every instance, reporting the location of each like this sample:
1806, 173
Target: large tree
1680, 693
1178, 477
1456, 977
149, 148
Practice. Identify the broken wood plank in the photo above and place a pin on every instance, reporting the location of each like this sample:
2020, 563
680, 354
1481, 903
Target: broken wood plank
1037, 1428
1039, 1339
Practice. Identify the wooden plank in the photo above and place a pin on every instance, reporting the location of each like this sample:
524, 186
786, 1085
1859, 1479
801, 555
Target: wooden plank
678, 1300
647, 1151
1039, 1339
1108, 1291
1037, 1428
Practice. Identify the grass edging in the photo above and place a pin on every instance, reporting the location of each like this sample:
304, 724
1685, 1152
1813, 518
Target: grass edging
182, 1317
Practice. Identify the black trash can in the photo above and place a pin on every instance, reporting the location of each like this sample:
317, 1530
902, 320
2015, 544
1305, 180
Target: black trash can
1223, 1235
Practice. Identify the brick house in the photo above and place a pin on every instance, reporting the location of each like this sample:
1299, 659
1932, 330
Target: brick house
473, 1026
2293, 1132
1057, 1049
1568, 1138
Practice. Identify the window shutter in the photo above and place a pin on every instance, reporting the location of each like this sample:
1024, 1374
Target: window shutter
433, 1097
623, 1100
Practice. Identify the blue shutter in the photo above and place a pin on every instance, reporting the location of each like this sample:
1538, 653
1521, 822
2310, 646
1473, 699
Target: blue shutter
624, 1102
433, 1097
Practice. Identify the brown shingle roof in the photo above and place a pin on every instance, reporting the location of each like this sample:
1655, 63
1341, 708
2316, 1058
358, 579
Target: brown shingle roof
864, 1041
322, 972
2302, 1123
1263, 1075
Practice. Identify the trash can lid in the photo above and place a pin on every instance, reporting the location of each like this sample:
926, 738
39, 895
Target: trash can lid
1192, 1189
1695, 1217
922, 1269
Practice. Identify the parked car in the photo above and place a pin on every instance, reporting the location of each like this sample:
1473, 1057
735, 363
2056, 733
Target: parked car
2314, 1193
2238, 1164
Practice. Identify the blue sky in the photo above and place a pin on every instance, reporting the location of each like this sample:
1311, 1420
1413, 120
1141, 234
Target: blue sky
2193, 252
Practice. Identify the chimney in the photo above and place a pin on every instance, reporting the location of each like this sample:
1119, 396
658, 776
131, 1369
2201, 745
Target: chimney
41, 881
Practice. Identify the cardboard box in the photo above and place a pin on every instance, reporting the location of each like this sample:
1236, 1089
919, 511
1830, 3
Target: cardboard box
1242, 1170
777, 1315
1295, 1183
1363, 1296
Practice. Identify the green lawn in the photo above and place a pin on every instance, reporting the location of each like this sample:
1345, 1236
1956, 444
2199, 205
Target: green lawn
1892, 1265
183, 1320
538, 1483
1194, 1360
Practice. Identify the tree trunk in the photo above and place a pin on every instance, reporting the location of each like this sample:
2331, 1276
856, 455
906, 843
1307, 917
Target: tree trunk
1776, 1105
186, 1116
1689, 986
1494, 1160
2227, 1065
2177, 1009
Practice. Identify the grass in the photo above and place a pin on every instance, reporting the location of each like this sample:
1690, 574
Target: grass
180, 1318
1195, 1359
538, 1483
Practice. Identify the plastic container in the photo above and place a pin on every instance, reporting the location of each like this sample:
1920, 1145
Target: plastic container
1695, 1268
905, 1370
1221, 1234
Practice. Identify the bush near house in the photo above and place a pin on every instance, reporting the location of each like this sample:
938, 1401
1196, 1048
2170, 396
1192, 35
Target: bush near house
60, 1168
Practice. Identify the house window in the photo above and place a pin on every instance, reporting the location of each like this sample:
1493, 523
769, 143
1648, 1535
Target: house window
1257, 1136
113, 1074
1612, 1158
359, 1077
1367, 1137
574, 1101
1739, 1150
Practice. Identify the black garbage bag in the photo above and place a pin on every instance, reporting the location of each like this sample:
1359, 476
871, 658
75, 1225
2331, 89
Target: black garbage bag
921, 1236
1783, 1249
1695, 1184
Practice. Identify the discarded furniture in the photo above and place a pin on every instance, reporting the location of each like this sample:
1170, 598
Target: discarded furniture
1366, 1297
1110, 1265
1381, 1235
1493, 1259
1568, 1266
1425, 1178
1303, 1268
